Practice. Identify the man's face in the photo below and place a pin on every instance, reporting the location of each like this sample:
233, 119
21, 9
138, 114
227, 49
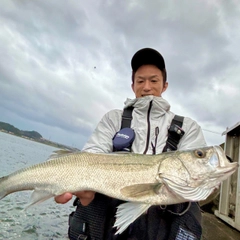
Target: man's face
148, 80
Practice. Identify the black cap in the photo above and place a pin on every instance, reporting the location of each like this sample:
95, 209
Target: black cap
147, 56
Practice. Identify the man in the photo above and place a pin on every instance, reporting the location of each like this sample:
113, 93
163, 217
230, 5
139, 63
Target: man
151, 119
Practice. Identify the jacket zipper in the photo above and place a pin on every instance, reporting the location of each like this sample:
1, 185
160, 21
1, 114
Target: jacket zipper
154, 146
148, 128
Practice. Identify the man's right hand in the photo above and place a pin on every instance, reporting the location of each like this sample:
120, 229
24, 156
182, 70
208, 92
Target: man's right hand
85, 197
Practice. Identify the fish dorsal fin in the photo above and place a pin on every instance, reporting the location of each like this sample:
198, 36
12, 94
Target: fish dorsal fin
61, 153
127, 213
140, 190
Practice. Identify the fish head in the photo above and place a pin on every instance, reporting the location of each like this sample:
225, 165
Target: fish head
191, 170
209, 166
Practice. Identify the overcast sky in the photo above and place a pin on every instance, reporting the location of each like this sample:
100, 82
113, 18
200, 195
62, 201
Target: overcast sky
65, 63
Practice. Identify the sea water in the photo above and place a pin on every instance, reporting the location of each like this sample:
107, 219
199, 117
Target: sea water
47, 220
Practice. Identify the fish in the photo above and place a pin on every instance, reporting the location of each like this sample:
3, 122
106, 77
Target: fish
139, 180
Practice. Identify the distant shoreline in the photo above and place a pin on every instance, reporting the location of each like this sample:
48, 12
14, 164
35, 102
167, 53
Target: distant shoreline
41, 140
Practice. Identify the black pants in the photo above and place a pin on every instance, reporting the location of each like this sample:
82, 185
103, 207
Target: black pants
95, 222
161, 224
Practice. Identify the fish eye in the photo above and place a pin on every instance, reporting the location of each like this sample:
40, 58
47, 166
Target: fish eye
199, 153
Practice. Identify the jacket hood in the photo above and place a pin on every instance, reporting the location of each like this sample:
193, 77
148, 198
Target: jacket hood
159, 104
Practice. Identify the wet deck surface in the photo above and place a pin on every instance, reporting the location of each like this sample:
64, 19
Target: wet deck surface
215, 228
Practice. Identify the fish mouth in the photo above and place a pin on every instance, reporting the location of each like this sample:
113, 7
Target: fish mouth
229, 166
223, 167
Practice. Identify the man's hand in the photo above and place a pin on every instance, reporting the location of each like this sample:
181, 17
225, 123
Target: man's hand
85, 197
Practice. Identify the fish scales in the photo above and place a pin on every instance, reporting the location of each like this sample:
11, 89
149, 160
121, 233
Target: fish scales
85, 171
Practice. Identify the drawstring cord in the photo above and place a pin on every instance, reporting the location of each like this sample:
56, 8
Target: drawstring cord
164, 207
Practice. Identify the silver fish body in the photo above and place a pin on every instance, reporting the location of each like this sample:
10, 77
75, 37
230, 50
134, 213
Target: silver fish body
145, 180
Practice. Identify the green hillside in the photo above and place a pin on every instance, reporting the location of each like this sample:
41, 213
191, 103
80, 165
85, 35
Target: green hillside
11, 129
31, 135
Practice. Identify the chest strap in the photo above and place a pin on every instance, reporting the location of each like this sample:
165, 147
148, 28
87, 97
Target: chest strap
175, 133
127, 117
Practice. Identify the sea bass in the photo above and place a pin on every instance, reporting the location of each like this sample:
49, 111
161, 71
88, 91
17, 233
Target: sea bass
141, 180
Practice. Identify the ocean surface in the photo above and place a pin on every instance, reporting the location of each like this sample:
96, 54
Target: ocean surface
47, 220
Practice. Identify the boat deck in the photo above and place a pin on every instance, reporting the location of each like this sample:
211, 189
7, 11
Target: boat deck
215, 228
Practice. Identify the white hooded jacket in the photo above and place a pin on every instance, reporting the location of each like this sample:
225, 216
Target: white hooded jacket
151, 120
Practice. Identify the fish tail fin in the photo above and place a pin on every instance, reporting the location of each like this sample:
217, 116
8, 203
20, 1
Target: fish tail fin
127, 213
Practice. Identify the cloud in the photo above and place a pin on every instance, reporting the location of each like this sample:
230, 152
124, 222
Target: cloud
64, 64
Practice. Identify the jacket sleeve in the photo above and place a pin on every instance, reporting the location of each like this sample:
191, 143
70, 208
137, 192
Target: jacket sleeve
101, 139
193, 137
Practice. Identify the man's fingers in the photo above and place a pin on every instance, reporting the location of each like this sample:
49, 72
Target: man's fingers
64, 198
85, 197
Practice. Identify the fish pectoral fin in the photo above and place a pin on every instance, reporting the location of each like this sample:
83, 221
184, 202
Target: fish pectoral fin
140, 190
127, 213
39, 196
